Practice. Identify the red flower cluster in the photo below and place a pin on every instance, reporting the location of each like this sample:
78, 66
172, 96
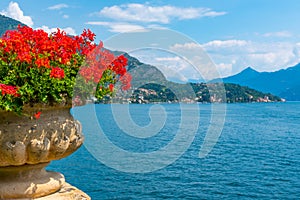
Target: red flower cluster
9, 89
37, 48
100, 60
126, 81
33, 59
118, 65
57, 72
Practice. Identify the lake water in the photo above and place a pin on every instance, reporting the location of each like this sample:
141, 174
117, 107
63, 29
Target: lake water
257, 156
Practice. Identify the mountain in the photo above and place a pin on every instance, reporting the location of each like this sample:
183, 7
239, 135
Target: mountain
142, 73
7, 23
149, 85
248, 73
284, 83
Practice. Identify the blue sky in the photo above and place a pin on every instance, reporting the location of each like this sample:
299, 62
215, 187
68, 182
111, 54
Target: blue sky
263, 34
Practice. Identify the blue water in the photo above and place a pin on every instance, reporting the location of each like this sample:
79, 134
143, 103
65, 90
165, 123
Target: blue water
256, 157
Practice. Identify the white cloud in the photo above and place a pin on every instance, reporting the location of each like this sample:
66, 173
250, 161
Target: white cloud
229, 47
155, 14
232, 56
117, 27
68, 30
58, 6
123, 27
187, 46
156, 26
174, 67
66, 16
224, 44
15, 12
261, 56
225, 69
196, 55
278, 34
179, 68
172, 59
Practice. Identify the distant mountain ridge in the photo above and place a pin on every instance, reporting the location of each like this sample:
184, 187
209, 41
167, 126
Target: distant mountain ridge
7, 23
284, 83
149, 85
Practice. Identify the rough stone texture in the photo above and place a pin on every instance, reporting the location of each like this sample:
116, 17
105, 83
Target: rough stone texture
27, 145
67, 192
28, 181
24, 140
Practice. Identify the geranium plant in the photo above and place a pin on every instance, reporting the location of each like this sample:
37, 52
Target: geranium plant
37, 67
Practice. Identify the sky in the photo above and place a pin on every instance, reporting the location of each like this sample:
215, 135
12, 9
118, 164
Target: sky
235, 34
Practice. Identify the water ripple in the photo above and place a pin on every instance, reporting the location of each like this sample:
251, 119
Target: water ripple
256, 157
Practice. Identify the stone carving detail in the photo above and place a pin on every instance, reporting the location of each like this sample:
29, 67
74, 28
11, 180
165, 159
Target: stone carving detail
27, 145
29, 141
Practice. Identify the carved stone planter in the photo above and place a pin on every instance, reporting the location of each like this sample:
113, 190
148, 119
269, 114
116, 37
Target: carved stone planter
27, 146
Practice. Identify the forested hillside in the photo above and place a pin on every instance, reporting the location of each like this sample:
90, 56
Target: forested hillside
7, 23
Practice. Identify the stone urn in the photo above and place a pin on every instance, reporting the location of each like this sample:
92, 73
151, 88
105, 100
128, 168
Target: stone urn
28, 143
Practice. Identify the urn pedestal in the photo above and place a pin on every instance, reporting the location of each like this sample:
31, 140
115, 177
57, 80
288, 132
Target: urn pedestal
28, 145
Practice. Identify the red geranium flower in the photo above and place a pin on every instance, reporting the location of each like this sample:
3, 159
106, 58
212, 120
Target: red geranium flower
57, 72
111, 87
9, 89
37, 115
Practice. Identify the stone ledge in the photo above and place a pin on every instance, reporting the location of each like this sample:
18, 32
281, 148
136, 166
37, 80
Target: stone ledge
67, 192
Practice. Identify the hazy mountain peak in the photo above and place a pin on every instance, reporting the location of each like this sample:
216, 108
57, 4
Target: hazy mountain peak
284, 82
250, 69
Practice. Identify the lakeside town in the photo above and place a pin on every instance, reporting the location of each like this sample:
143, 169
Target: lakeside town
201, 93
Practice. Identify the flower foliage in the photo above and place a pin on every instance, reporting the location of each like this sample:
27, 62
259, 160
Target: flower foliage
37, 67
